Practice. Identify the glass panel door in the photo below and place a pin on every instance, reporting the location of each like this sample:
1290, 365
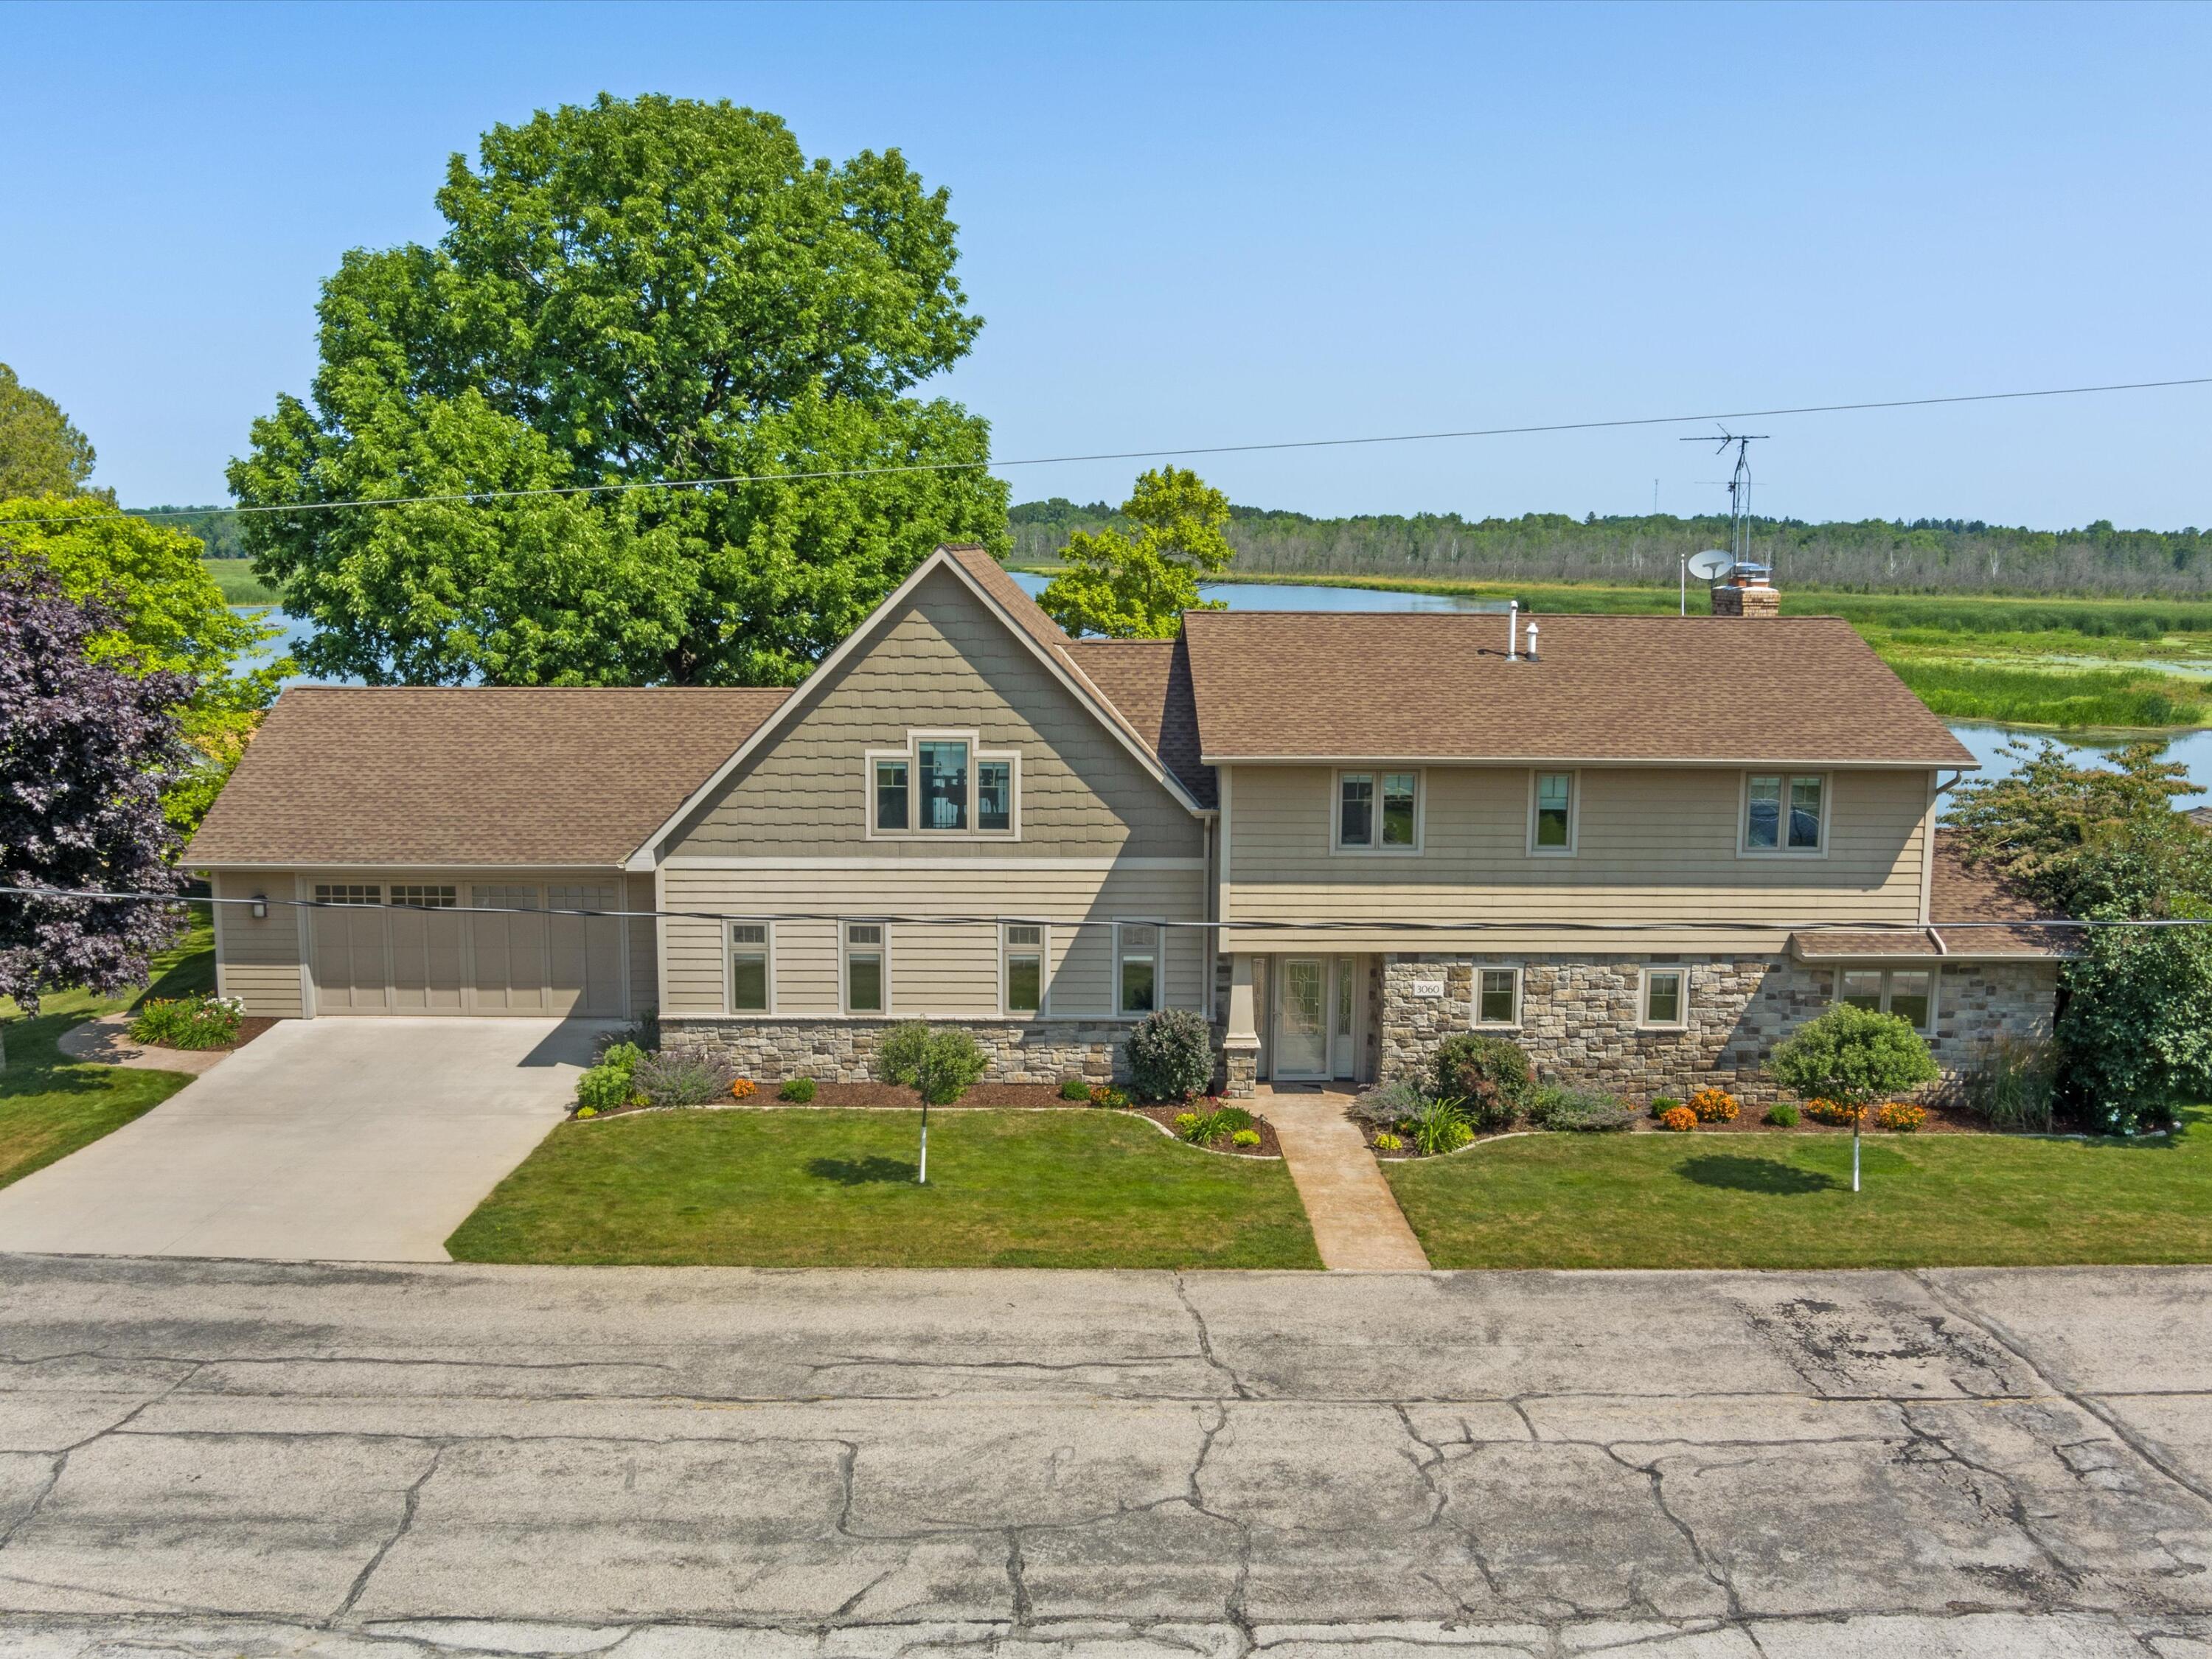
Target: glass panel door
1302, 1019
1343, 1053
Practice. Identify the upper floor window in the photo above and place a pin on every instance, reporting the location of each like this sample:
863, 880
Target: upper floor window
1378, 811
1551, 812
1784, 813
1908, 993
943, 784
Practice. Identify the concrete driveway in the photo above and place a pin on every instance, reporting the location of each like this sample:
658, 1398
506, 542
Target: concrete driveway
328, 1139
312, 1461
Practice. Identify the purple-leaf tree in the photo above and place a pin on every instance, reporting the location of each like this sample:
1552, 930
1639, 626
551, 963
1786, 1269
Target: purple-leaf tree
85, 749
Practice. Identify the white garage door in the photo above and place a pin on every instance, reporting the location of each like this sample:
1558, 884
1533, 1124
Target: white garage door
412, 948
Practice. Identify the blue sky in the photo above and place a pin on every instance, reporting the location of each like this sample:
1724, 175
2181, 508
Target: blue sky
1223, 224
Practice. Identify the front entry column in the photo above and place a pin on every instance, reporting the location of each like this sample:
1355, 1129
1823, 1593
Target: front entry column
1240, 1043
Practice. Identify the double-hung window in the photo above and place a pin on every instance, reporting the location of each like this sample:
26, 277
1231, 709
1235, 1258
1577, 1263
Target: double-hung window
748, 968
1784, 813
1908, 993
1551, 813
1137, 968
1378, 811
867, 980
1022, 951
1496, 996
1663, 999
942, 784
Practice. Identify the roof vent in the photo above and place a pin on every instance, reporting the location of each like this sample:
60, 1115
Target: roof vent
1748, 592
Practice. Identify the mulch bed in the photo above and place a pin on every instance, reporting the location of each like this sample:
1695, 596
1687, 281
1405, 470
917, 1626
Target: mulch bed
1942, 1120
1268, 1146
248, 1029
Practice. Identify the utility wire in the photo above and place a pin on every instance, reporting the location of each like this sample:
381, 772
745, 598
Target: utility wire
478, 495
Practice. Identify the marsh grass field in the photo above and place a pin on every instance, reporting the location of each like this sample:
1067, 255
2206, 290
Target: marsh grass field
2071, 665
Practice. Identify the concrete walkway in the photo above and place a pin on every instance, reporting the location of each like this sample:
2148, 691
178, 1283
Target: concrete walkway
106, 1042
218, 1459
327, 1139
1357, 1223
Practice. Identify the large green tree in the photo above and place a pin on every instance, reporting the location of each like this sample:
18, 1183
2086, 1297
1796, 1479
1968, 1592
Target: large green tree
161, 613
629, 291
41, 454
1137, 587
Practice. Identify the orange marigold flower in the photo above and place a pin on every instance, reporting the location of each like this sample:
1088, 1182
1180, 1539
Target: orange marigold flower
1680, 1118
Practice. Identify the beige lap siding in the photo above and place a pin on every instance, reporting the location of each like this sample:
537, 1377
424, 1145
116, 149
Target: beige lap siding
949, 971
1653, 845
644, 950
258, 961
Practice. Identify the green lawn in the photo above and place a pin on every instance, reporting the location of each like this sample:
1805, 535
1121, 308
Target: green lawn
837, 1189
1742, 1201
239, 584
51, 1106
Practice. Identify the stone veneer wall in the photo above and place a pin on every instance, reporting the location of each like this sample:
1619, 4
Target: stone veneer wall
843, 1050
1578, 1016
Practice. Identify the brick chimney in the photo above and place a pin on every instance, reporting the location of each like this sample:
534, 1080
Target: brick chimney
1747, 592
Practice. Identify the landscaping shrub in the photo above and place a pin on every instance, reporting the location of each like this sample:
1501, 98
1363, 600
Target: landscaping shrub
741, 1087
1171, 1054
1244, 1138
1899, 1116
1387, 1105
1579, 1110
623, 1056
1714, 1106
192, 1022
1662, 1104
1782, 1115
1850, 1057
798, 1091
1679, 1119
1074, 1088
631, 1036
2015, 1086
1440, 1126
1832, 1111
1386, 1142
1488, 1075
602, 1088
1113, 1099
898, 1055
682, 1078
1204, 1128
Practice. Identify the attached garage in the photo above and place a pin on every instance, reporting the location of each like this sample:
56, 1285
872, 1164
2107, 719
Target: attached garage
427, 851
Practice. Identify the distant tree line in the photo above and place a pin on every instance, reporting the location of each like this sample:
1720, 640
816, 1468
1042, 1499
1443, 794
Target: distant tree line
1926, 555
216, 526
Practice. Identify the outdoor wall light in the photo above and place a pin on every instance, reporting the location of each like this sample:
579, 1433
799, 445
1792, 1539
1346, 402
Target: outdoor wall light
259, 909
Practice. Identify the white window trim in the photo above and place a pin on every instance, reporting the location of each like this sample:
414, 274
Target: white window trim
1044, 1010
729, 965
1336, 843
1574, 813
1159, 954
1744, 849
977, 755
1934, 971
1475, 1010
845, 925
1644, 1022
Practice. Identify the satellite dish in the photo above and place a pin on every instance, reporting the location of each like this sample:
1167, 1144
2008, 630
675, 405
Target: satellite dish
1710, 563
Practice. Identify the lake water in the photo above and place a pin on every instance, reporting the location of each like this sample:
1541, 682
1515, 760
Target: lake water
1988, 743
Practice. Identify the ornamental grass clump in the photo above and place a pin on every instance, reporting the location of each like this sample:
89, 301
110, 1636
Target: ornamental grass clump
192, 1022
1171, 1054
1714, 1106
1440, 1126
2015, 1085
1222, 1122
1488, 1077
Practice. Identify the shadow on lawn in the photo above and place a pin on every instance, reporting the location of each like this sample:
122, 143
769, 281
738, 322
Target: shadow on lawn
1755, 1174
861, 1171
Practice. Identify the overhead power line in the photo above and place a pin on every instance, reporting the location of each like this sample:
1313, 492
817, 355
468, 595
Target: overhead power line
461, 497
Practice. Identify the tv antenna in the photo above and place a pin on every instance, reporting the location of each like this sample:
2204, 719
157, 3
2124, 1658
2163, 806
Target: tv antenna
1738, 488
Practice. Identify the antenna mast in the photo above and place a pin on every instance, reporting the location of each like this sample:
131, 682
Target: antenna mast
1738, 488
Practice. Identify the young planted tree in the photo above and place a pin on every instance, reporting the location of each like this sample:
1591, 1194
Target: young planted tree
86, 746
628, 292
1854, 1057
1137, 587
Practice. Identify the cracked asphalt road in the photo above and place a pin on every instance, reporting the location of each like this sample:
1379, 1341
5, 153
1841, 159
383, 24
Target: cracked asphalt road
241, 1458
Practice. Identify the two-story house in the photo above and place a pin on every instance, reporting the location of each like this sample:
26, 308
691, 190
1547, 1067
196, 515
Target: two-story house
1643, 846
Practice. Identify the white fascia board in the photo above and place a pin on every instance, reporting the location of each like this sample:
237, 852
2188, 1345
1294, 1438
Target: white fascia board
1585, 760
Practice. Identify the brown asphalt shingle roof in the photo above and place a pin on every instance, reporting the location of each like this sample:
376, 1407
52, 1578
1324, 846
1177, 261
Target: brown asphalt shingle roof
1956, 894
1149, 682
471, 775
1437, 686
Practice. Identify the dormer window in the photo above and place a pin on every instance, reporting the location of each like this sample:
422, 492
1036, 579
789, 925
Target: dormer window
943, 783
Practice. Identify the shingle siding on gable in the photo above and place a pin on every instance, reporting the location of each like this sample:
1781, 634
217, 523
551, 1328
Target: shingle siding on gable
943, 660
1653, 844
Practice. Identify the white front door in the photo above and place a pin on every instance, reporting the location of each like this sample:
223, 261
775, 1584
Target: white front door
1302, 1024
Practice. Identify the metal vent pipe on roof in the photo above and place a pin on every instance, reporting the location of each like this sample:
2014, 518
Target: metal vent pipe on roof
1532, 639
1512, 630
